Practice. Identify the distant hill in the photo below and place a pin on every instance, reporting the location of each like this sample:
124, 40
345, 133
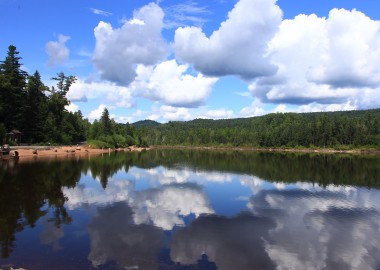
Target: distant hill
145, 123
321, 129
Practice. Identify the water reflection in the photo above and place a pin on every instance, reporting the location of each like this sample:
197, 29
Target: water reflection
24, 191
232, 243
167, 206
51, 235
115, 237
286, 168
321, 230
193, 210
164, 207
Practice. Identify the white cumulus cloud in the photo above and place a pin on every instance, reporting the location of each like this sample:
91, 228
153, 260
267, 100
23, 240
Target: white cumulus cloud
83, 90
238, 47
137, 41
329, 61
57, 51
169, 83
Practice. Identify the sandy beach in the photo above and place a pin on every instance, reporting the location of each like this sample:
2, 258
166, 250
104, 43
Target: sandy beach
28, 152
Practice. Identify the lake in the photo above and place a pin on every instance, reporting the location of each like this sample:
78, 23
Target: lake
184, 209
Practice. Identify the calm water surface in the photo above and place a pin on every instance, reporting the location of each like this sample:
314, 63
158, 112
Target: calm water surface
191, 210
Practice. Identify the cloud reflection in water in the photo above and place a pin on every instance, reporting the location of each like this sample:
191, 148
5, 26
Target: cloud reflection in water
320, 230
115, 237
164, 207
297, 226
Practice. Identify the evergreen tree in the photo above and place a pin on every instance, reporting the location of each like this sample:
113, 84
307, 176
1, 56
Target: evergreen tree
12, 90
58, 99
106, 123
57, 102
36, 109
95, 130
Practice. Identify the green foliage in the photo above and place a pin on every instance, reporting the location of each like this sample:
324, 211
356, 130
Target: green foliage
38, 112
105, 122
109, 134
12, 90
320, 130
146, 123
63, 84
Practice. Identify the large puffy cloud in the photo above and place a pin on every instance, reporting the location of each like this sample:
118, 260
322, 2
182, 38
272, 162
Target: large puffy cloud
322, 63
238, 47
138, 41
83, 90
169, 83
329, 61
57, 51
352, 56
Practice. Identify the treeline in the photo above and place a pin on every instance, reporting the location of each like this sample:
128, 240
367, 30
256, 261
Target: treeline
39, 112
107, 133
327, 129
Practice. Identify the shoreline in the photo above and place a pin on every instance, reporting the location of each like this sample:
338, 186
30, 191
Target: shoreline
37, 152
48, 152
277, 150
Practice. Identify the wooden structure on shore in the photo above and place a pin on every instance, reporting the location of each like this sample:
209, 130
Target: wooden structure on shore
14, 136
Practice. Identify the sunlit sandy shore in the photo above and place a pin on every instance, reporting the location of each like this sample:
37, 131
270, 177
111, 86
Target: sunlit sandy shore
34, 152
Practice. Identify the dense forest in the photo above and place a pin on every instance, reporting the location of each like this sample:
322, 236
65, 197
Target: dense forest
324, 129
39, 112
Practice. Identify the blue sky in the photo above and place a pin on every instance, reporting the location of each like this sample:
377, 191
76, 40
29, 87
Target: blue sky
179, 60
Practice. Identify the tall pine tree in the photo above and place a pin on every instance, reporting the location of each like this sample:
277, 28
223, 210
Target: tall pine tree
57, 101
106, 123
36, 109
12, 90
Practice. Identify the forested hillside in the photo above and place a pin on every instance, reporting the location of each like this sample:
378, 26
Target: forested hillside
327, 129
